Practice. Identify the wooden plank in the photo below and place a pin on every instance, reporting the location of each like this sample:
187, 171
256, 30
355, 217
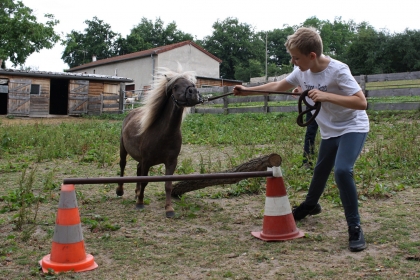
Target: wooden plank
78, 97
394, 106
111, 97
114, 105
95, 98
394, 92
282, 97
209, 110
111, 88
393, 77
19, 97
94, 107
246, 110
283, 109
39, 105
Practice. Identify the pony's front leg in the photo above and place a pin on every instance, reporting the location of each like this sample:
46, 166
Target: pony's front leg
140, 187
170, 212
169, 170
140, 195
123, 162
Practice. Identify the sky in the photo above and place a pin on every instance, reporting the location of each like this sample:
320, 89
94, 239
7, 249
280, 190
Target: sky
196, 17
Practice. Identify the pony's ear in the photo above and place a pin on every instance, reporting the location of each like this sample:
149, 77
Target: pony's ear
179, 69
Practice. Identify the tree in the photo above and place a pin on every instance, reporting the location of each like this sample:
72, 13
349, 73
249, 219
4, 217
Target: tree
21, 34
235, 44
148, 35
401, 52
253, 68
336, 36
98, 40
277, 53
365, 55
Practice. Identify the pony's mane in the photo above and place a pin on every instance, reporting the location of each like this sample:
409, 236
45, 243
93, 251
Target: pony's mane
156, 97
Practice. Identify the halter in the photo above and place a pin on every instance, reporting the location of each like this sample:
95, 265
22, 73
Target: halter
178, 102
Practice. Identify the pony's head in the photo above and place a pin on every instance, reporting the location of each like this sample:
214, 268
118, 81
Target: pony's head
177, 86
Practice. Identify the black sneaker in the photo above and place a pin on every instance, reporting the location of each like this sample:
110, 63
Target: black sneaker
304, 210
356, 239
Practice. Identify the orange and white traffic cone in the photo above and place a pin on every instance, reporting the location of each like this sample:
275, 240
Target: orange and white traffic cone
68, 248
278, 223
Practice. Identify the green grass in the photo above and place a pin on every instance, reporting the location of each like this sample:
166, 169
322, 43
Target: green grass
209, 238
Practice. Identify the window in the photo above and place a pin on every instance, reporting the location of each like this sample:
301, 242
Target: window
36, 89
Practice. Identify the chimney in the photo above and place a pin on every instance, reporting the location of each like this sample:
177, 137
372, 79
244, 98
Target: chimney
93, 58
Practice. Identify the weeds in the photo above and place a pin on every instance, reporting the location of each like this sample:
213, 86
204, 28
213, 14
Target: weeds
24, 202
210, 236
389, 160
186, 208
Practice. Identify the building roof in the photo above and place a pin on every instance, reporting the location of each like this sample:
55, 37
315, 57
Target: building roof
63, 75
140, 54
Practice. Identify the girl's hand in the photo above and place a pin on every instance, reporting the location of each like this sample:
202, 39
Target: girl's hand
237, 90
318, 96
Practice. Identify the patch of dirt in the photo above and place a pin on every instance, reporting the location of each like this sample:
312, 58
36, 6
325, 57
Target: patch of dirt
210, 238
41, 120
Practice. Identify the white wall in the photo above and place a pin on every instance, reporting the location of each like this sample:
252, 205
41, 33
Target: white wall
191, 59
141, 70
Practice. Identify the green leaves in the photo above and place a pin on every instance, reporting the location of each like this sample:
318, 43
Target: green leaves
97, 40
21, 34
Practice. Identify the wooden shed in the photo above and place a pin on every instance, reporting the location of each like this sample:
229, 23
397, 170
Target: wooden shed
43, 94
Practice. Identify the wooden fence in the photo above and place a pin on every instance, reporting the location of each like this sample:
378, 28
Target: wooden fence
104, 103
375, 88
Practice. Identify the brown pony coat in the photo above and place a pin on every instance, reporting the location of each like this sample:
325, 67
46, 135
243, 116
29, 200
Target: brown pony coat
151, 134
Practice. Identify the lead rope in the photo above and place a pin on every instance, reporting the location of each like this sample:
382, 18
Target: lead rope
302, 99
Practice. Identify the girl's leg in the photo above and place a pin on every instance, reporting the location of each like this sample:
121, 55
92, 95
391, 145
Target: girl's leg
349, 148
324, 165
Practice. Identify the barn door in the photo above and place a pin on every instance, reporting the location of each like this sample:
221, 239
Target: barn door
78, 97
19, 97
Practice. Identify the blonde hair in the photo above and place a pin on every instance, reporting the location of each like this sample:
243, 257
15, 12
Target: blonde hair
305, 40
154, 100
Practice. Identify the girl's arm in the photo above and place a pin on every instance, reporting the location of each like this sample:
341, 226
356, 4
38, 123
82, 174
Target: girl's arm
273, 86
356, 101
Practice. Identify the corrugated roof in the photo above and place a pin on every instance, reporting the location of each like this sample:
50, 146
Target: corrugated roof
140, 54
64, 75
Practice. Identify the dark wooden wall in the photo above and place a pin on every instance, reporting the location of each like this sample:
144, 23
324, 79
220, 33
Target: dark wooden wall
103, 96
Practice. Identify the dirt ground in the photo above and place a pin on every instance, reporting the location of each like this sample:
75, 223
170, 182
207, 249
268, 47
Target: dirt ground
47, 120
210, 239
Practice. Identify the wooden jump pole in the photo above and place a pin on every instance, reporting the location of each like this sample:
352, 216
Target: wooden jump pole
135, 179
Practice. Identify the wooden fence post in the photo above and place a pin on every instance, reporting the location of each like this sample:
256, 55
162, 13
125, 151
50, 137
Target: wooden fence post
225, 101
363, 81
265, 104
121, 100
102, 104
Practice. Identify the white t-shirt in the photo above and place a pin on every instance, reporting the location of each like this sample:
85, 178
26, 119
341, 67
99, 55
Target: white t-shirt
333, 120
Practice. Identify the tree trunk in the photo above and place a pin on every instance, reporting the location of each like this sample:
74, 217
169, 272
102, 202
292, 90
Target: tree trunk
256, 164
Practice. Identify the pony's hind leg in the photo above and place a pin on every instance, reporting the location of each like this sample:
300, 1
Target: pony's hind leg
123, 162
140, 187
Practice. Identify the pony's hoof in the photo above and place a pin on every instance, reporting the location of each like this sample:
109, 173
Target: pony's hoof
139, 206
170, 214
119, 193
